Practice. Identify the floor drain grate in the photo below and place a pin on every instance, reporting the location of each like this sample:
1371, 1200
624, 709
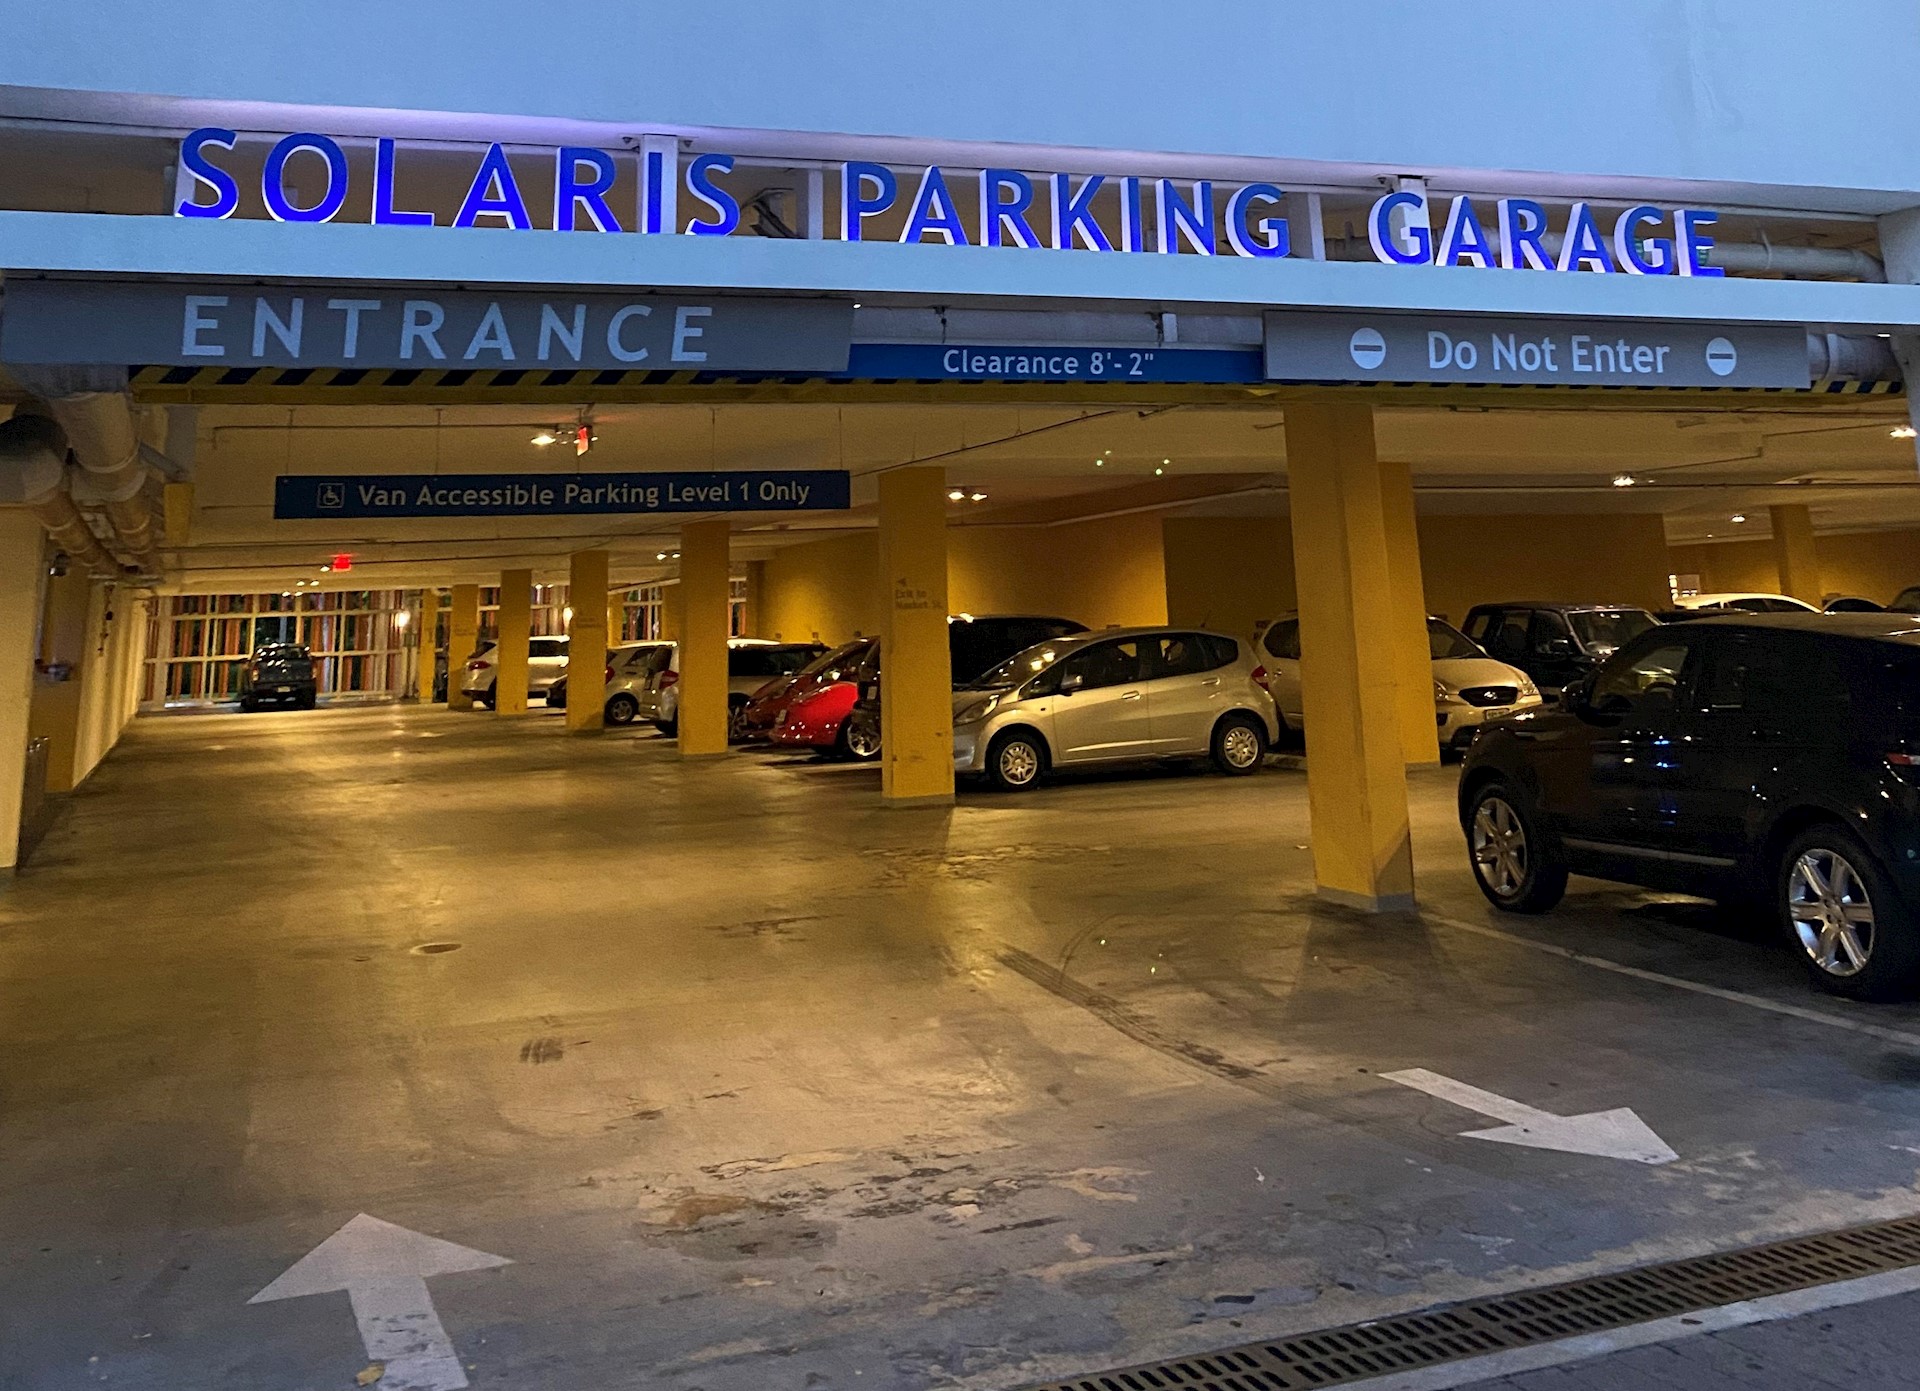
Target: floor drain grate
1499, 1323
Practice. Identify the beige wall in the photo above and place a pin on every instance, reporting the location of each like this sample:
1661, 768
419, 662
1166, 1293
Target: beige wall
1618, 559
1874, 564
1230, 574
1099, 573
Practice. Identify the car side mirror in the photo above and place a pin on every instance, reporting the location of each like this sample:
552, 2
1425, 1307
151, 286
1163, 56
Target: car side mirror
1559, 647
1070, 683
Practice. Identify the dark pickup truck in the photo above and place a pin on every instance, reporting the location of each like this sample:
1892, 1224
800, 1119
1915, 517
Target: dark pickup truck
281, 674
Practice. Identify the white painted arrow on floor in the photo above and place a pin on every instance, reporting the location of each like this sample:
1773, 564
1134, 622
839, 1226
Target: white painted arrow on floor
1618, 1134
384, 1270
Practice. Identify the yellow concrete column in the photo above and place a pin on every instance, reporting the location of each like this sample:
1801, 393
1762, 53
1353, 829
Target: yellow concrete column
463, 635
515, 627
916, 665
704, 571
587, 641
616, 617
1796, 553
22, 573
1356, 770
57, 713
426, 623
753, 618
1407, 618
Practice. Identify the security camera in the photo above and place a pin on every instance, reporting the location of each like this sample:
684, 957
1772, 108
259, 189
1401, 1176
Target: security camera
58, 568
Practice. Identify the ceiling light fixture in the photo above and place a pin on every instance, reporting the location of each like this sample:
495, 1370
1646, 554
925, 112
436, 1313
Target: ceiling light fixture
956, 495
976, 496
1624, 480
1903, 432
1157, 472
1738, 517
545, 438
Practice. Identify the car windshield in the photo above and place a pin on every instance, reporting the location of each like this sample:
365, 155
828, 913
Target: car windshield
1445, 641
1020, 666
1605, 631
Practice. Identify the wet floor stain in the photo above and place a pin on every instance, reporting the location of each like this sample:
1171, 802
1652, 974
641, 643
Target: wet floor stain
542, 1050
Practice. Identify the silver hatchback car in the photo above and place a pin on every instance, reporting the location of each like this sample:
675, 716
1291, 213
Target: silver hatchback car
1123, 695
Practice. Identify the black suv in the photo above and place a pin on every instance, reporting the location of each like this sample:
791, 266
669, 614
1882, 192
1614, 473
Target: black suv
1766, 760
278, 674
1555, 644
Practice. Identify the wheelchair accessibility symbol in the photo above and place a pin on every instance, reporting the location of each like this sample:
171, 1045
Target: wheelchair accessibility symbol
332, 496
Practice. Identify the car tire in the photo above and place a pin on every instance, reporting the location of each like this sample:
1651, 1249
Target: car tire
308, 701
737, 720
248, 705
1016, 761
485, 702
1827, 888
1239, 745
670, 728
1515, 862
855, 745
622, 708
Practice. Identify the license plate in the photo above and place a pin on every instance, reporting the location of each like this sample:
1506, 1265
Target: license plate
283, 690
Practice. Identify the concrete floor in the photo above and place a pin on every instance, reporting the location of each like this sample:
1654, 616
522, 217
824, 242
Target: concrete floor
758, 1084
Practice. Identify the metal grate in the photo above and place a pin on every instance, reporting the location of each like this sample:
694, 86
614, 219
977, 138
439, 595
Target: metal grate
1474, 1328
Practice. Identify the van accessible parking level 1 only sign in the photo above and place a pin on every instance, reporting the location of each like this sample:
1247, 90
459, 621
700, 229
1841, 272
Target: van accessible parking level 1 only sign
217, 324
311, 496
1532, 352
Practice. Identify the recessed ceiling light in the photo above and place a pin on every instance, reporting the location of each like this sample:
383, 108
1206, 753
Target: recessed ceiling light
956, 495
1902, 432
545, 438
1099, 463
1624, 480
1157, 472
976, 496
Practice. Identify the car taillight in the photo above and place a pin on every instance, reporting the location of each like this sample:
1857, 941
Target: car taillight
609, 673
1903, 762
1260, 675
669, 678
476, 666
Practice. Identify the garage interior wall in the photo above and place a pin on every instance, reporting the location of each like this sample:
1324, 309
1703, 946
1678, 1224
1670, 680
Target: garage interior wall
1618, 558
1874, 565
1101, 573
1231, 573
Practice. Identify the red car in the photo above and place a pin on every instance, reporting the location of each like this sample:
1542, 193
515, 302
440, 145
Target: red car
812, 712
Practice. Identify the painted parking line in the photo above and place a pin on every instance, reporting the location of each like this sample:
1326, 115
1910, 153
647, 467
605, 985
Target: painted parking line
1738, 997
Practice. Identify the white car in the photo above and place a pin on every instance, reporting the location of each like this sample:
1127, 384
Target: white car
546, 664
751, 662
1469, 687
628, 668
1748, 603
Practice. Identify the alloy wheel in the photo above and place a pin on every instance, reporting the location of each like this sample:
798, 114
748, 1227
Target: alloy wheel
1499, 847
1831, 911
1240, 746
1019, 764
862, 742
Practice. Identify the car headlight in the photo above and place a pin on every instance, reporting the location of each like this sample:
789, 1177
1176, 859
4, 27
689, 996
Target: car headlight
1440, 691
1527, 688
976, 712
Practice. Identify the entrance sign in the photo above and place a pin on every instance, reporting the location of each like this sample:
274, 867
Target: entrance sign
308, 177
1318, 347
321, 496
391, 326
928, 362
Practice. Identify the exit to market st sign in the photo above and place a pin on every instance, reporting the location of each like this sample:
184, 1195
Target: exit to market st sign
321, 496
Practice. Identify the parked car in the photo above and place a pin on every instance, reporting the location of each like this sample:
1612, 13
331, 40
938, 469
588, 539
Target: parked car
763, 708
279, 673
1747, 603
1115, 697
1555, 644
1766, 759
1851, 603
1469, 687
1906, 601
975, 644
751, 663
546, 664
813, 713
